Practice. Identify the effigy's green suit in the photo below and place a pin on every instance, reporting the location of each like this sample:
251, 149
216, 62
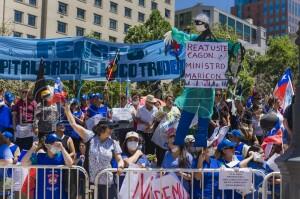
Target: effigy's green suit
196, 99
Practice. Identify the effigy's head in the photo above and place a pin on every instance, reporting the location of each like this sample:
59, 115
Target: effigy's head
201, 22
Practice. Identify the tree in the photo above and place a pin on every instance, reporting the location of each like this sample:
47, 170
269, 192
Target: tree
153, 29
281, 54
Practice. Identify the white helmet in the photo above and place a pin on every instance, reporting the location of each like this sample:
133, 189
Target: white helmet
202, 17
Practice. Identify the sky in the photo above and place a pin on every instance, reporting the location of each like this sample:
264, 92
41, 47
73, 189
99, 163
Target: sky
221, 4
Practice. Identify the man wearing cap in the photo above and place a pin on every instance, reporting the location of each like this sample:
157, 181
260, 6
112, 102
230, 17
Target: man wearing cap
15, 150
23, 116
84, 103
46, 115
241, 148
97, 107
145, 117
9, 99
6, 116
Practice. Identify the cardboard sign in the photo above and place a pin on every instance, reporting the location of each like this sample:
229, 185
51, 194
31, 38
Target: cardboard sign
206, 64
233, 179
91, 122
160, 137
122, 114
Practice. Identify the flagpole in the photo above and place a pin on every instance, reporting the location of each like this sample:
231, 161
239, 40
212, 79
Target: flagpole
289, 162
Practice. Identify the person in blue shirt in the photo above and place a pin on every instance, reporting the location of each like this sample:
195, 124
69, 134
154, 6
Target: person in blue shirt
15, 150
9, 98
236, 136
6, 116
51, 152
229, 160
6, 158
97, 107
178, 157
206, 160
132, 153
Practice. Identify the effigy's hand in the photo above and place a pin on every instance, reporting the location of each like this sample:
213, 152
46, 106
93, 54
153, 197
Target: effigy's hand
168, 38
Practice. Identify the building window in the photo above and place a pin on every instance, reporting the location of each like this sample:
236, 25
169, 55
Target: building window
113, 7
126, 27
247, 33
20, 1
32, 2
113, 24
239, 29
98, 3
61, 27
253, 35
141, 17
31, 36
142, 3
63, 8
97, 19
18, 16
128, 12
168, 1
17, 34
112, 39
31, 20
80, 13
153, 5
79, 31
206, 12
97, 35
231, 23
222, 19
167, 13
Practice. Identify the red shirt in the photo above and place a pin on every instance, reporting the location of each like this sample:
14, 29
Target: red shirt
25, 111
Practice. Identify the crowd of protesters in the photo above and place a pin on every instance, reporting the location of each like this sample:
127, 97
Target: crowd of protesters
57, 134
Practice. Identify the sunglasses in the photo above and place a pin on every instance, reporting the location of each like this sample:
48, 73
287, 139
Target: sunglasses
218, 95
197, 22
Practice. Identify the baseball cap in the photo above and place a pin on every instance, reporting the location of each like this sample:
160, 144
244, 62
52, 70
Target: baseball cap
7, 135
84, 97
131, 134
225, 144
236, 133
51, 138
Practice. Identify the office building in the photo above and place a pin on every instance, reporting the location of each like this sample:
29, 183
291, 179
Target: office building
251, 36
279, 17
106, 19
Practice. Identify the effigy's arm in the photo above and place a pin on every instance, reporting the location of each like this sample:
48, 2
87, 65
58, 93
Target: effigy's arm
182, 37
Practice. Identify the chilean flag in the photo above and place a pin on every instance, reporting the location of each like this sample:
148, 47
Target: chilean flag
284, 89
274, 136
59, 95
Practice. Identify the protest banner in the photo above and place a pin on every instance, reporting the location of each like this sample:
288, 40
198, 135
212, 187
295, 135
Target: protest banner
235, 179
206, 64
168, 187
81, 58
122, 114
136, 186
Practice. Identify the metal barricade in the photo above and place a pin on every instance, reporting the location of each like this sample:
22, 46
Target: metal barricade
43, 182
272, 182
190, 177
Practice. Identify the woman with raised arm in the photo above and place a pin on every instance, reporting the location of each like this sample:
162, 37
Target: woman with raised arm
100, 150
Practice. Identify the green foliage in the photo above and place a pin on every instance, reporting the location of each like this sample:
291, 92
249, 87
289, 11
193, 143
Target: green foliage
281, 54
153, 29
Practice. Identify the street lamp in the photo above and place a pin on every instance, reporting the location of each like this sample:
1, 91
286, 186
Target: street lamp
289, 162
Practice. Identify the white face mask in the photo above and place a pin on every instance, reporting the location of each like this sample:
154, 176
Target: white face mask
53, 149
132, 145
200, 28
175, 149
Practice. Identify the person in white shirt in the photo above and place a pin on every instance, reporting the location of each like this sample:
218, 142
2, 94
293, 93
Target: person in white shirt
145, 118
